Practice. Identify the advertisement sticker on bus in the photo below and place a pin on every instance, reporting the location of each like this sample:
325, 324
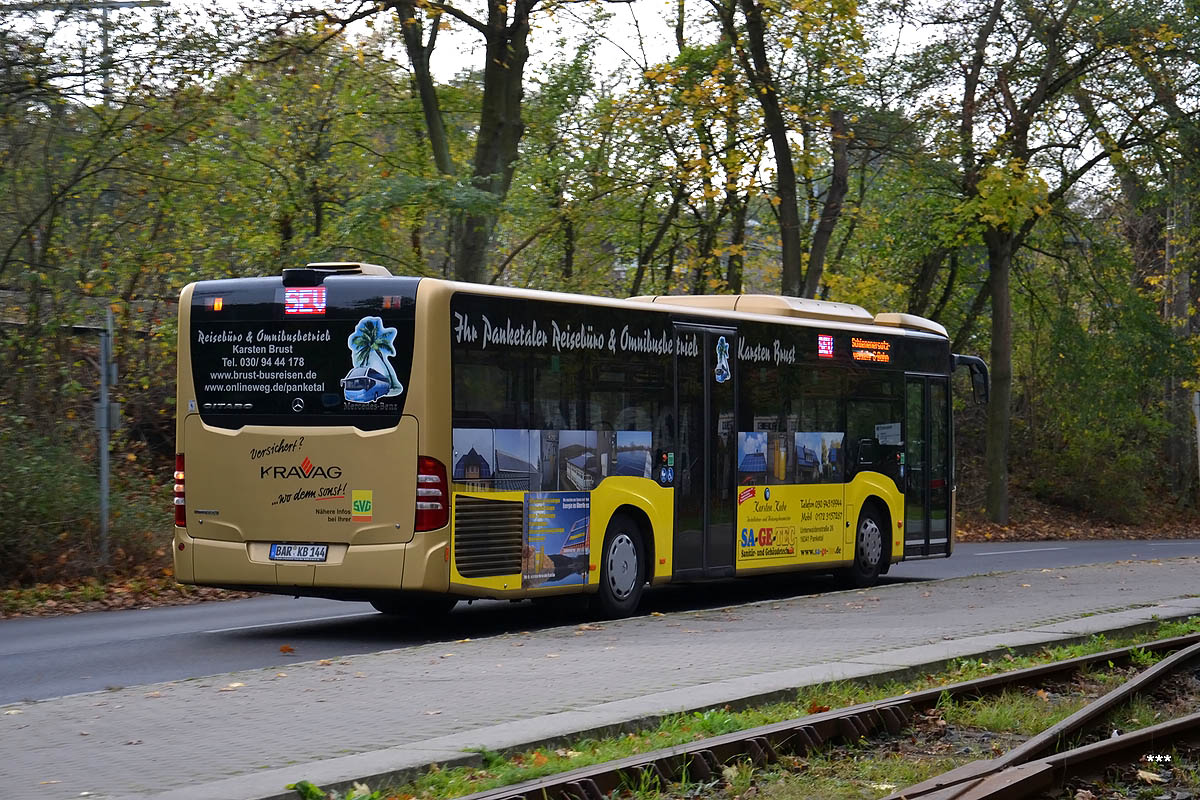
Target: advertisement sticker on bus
557, 539
791, 495
721, 372
371, 375
362, 505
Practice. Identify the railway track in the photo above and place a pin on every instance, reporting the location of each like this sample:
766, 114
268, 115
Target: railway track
1038, 764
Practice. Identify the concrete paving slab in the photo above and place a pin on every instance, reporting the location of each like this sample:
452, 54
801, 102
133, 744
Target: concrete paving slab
988, 646
1129, 620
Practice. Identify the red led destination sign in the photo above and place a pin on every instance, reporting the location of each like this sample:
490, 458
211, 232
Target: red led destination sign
304, 300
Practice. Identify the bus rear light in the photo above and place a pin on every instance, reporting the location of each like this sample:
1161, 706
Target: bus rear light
433, 495
180, 502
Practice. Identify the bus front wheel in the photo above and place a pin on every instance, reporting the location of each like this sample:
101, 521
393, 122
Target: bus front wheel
868, 550
622, 568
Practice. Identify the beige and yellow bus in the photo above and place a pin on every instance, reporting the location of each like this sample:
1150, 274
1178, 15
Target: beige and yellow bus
346, 433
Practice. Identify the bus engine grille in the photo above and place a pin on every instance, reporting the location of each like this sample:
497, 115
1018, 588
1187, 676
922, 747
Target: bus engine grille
488, 536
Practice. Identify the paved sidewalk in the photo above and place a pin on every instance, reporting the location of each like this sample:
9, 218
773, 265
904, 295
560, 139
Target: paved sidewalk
246, 735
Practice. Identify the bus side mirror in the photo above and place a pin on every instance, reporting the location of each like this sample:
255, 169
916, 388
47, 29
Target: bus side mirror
979, 375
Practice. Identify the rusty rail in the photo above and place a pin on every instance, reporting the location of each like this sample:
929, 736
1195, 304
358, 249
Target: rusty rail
998, 777
704, 760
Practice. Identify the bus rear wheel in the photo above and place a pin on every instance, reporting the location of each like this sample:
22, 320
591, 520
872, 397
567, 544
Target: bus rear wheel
869, 554
413, 607
622, 568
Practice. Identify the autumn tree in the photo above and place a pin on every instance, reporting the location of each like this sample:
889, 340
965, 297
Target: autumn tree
1156, 180
504, 28
795, 58
1019, 151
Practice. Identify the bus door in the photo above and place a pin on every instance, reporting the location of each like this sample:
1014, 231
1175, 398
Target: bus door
927, 468
706, 446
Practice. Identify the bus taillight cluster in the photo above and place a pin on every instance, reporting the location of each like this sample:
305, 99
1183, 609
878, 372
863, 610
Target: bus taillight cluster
180, 502
433, 491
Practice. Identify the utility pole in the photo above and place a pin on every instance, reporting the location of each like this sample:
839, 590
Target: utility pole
108, 419
90, 5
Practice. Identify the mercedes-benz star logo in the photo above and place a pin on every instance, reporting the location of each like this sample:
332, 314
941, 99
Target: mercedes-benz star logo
298, 404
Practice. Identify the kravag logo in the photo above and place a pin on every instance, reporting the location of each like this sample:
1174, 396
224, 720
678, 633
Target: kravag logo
305, 469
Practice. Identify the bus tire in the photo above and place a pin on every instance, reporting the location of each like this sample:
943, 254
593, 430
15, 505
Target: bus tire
414, 607
622, 568
869, 543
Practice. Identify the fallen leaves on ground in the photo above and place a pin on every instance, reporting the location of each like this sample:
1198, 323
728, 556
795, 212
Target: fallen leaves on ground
90, 594
1034, 521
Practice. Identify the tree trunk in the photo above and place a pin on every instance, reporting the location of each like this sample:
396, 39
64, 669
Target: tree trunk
418, 56
832, 211
931, 265
737, 244
1180, 440
646, 255
500, 130
1000, 246
568, 268
758, 70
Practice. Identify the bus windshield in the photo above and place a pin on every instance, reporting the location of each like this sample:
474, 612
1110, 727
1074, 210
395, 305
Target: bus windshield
338, 353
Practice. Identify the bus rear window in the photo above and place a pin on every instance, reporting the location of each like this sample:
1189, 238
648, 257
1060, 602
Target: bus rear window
339, 355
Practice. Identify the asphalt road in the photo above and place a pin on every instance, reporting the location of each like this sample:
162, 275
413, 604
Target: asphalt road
49, 657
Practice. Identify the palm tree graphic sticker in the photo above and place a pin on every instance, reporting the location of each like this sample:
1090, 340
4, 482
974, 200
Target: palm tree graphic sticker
721, 373
371, 375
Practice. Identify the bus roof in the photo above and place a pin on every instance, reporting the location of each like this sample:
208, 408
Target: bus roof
801, 307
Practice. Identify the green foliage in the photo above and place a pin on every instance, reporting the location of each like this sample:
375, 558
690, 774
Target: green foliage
359, 791
47, 492
1016, 711
1006, 197
715, 722
1099, 424
308, 791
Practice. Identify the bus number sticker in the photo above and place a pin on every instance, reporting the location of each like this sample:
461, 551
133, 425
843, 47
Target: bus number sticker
825, 345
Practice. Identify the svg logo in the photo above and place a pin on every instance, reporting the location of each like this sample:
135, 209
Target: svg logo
362, 505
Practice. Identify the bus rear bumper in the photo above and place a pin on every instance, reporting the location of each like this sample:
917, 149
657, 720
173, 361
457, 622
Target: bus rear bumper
419, 565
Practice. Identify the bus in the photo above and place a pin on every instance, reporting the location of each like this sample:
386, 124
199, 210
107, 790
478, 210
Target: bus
412, 442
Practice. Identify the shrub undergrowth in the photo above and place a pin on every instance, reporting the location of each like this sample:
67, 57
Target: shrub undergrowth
50, 509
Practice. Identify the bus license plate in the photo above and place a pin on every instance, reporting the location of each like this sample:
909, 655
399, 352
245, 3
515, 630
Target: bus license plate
299, 552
